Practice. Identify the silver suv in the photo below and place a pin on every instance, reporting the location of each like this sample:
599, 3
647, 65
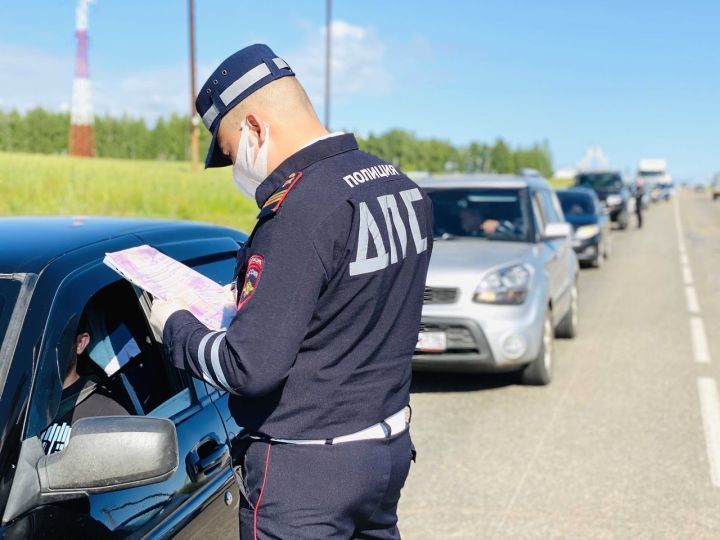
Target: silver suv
502, 281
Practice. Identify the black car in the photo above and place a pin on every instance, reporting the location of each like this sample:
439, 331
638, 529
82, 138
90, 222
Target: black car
611, 191
165, 469
589, 218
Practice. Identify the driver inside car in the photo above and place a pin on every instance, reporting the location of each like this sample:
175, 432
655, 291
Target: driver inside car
473, 222
82, 397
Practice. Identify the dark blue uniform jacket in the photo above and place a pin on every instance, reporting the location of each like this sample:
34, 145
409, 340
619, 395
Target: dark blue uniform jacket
330, 290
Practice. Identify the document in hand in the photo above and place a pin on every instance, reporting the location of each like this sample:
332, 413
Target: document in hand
165, 278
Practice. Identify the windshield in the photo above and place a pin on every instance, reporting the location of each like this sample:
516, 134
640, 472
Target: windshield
651, 174
9, 289
574, 204
493, 214
600, 181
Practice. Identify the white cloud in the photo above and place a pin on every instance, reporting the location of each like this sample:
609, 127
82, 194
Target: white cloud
150, 93
357, 63
30, 77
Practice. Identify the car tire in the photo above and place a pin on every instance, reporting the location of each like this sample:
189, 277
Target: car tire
623, 221
567, 328
539, 371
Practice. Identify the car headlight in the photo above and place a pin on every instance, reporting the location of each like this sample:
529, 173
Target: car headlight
587, 231
614, 200
505, 286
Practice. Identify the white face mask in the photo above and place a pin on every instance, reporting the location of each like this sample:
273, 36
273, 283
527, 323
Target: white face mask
249, 171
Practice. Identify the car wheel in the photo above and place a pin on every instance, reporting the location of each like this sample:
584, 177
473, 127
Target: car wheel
569, 323
623, 221
539, 371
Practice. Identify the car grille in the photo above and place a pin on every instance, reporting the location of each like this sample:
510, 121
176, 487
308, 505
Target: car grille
459, 338
440, 295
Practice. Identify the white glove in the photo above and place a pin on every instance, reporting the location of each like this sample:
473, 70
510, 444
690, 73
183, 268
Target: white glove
230, 293
160, 313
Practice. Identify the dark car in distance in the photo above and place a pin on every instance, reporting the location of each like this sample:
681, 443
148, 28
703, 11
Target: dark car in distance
164, 469
612, 192
589, 218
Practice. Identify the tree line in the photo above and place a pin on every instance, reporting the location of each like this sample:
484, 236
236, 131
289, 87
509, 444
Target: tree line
46, 132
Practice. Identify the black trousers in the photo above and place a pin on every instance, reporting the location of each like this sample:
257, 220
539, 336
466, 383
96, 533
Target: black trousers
342, 491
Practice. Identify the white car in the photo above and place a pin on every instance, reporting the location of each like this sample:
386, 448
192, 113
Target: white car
502, 281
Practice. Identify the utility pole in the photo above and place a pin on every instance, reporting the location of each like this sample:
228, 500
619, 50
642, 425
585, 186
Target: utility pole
328, 41
194, 120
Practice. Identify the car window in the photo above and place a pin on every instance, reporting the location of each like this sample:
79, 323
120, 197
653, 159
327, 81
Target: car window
483, 213
121, 369
600, 181
539, 212
113, 366
551, 209
576, 204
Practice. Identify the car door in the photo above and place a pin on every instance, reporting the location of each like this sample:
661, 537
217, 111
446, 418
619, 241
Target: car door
565, 260
200, 498
220, 268
555, 251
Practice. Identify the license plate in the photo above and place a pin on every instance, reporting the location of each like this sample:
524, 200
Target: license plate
431, 342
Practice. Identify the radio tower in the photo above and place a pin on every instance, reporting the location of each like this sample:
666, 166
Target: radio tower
82, 131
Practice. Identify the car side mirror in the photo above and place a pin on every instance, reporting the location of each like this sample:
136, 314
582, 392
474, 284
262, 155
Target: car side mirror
110, 453
556, 231
104, 453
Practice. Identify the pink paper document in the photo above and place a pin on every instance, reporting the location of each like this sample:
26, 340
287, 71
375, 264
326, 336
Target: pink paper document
164, 277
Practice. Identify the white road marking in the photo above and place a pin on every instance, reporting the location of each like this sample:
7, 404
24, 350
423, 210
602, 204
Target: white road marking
691, 300
679, 230
707, 388
699, 341
687, 275
710, 409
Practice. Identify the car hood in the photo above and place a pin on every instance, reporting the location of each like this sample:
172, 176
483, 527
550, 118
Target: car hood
455, 260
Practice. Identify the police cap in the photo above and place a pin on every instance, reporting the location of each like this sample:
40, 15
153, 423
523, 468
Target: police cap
238, 76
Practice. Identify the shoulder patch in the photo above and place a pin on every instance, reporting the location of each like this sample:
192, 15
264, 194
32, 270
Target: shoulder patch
274, 202
252, 279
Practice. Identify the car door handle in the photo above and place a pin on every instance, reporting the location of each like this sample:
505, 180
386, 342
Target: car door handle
207, 458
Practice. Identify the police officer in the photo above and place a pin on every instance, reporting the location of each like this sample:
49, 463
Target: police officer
639, 194
330, 289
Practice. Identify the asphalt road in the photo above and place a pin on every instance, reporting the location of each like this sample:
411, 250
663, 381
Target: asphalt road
625, 442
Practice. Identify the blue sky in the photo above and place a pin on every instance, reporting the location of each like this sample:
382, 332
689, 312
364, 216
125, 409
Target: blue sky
639, 78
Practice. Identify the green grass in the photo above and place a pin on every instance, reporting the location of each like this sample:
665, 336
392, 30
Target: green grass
557, 183
36, 184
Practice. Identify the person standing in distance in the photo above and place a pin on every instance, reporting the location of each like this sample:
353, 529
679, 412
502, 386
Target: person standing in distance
330, 290
639, 195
